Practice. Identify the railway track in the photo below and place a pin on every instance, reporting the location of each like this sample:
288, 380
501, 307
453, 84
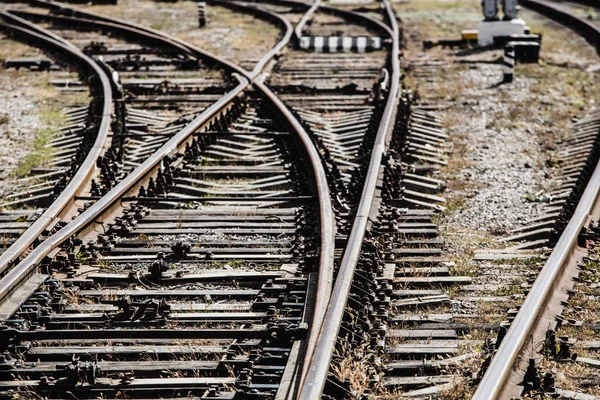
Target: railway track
403, 321
265, 253
223, 310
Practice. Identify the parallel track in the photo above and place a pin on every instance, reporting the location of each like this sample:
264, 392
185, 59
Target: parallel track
506, 375
226, 276
62, 205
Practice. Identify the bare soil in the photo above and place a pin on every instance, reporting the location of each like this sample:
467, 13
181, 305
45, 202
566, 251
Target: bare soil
237, 37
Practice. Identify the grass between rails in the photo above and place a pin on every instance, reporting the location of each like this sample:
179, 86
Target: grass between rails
40, 154
51, 117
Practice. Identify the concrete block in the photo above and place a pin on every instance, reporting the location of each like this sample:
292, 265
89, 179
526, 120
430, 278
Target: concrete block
487, 30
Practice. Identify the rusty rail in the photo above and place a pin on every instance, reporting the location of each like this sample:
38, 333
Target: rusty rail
327, 222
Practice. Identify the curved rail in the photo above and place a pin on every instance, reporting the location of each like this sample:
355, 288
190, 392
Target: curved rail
530, 314
84, 174
312, 387
327, 221
29, 263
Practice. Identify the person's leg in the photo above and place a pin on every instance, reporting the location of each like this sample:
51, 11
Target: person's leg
510, 8
490, 9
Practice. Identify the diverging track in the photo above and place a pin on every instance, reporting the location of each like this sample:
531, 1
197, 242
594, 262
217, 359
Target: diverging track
202, 261
254, 275
533, 339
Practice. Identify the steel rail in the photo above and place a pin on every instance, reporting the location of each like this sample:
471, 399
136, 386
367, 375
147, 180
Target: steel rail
494, 381
587, 29
29, 263
327, 221
84, 173
312, 387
